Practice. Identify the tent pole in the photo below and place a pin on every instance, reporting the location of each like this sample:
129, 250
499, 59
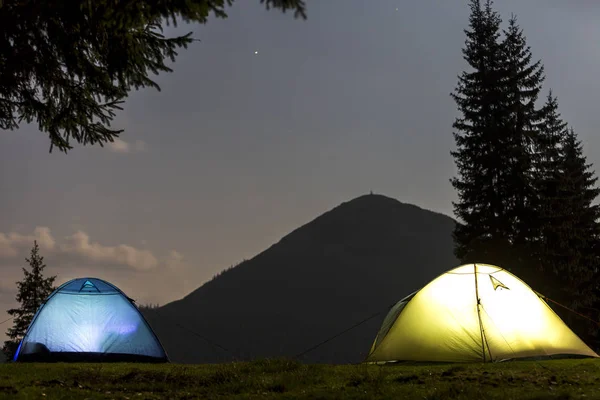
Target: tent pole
479, 312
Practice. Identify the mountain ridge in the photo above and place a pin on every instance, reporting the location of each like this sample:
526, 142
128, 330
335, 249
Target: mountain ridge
349, 262
294, 231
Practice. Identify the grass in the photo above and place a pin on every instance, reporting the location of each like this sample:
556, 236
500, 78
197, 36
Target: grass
274, 379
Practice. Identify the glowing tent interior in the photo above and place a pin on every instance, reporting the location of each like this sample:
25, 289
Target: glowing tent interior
89, 320
474, 313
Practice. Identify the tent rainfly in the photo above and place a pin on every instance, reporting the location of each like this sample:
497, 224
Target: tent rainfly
474, 313
89, 320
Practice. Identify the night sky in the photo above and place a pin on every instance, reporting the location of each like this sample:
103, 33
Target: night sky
265, 124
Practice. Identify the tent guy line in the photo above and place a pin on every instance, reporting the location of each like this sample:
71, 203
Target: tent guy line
341, 333
568, 309
209, 341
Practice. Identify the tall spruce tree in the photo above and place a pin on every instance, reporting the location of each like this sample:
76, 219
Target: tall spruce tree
525, 191
32, 291
581, 236
553, 212
569, 232
523, 82
577, 245
495, 140
482, 232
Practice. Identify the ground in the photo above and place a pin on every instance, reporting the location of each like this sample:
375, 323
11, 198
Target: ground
266, 379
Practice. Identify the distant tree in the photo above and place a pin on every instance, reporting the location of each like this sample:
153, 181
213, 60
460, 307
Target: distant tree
68, 67
231, 267
32, 292
148, 307
484, 229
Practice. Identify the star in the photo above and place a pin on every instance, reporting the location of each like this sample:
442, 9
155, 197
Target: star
256, 52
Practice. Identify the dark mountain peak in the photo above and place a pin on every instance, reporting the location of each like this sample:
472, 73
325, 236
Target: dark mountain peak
378, 201
347, 263
373, 198
375, 211
374, 202
365, 223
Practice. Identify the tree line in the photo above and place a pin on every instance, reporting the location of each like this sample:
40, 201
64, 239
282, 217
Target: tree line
526, 193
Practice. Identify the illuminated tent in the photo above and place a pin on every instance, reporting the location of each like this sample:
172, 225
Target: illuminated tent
88, 320
445, 322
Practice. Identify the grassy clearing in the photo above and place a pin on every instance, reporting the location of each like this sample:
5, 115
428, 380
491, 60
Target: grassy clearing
564, 379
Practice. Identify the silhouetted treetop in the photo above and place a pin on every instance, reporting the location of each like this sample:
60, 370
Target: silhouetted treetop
68, 66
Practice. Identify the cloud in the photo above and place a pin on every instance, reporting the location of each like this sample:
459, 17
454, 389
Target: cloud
79, 244
121, 146
174, 260
118, 146
79, 248
11, 243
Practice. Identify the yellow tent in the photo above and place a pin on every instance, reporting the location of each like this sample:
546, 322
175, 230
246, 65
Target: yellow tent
475, 312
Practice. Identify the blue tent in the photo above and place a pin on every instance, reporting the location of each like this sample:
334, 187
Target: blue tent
89, 320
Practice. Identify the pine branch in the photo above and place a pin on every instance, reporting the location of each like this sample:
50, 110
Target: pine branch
69, 68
